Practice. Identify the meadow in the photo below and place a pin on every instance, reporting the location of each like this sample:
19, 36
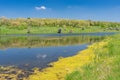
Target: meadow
44, 26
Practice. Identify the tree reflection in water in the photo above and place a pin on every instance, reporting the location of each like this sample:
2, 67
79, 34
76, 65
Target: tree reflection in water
34, 41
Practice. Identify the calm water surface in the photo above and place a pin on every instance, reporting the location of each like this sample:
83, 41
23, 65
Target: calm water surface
32, 51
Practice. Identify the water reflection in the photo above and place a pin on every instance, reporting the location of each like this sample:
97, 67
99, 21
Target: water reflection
28, 52
32, 41
41, 56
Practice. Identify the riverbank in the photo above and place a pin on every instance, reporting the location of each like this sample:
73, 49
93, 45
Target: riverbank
52, 30
99, 62
63, 66
105, 65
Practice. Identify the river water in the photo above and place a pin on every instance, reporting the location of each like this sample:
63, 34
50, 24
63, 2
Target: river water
29, 51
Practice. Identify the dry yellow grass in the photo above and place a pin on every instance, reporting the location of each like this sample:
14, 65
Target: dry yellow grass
66, 65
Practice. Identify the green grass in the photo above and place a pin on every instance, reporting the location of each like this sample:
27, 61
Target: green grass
47, 29
106, 65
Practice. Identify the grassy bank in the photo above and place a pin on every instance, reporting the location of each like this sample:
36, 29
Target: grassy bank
105, 65
46, 30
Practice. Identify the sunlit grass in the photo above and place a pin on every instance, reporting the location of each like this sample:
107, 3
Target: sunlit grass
105, 65
48, 29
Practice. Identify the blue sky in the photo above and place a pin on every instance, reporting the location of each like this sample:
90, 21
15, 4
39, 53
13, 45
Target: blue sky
104, 10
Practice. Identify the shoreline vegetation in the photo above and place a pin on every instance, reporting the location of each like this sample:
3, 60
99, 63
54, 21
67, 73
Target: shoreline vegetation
99, 61
105, 65
44, 26
63, 66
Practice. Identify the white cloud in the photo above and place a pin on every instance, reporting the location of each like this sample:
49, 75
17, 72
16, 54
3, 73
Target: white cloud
40, 8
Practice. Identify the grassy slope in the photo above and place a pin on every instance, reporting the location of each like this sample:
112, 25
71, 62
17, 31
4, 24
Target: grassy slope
106, 65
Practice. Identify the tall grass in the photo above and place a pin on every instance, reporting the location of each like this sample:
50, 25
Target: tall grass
105, 66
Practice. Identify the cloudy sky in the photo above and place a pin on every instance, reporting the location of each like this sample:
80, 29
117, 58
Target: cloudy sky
104, 10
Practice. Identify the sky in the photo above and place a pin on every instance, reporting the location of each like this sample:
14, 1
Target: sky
100, 10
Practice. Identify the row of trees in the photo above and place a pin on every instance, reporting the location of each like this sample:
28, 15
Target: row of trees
37, 22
